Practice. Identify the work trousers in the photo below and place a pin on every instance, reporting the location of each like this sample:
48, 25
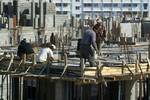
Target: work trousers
87, 52
99, 46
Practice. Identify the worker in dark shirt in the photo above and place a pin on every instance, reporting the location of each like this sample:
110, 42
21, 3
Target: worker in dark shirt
24, 48
52, 39
88, 46
100, 31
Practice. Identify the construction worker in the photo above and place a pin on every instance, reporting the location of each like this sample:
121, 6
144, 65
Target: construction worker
52, 39
100, 31
24, 48
88, 45
46, 53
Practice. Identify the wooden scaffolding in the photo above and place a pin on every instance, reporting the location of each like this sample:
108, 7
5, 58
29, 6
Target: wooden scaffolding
65, 81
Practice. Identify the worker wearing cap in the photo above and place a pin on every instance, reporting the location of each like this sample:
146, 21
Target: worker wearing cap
100, 31
46, 53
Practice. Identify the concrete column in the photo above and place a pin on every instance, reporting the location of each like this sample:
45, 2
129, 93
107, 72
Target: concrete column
130, 90
148, 8
148, 88
10, 23
59, 90
41, 13
1, 7
33, 13
49, 19
36, 21
20, 88
18, 13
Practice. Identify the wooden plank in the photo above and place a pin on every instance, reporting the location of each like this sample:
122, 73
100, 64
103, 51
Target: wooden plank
148, 66
93, 80
129, 69
11, 61
1, 58
140, 69
66, 66
82, 67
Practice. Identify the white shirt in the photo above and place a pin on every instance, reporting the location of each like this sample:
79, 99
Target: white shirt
42, 56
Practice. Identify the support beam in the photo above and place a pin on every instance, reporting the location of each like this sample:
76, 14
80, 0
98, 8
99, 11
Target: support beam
33, 13
86, 92
20, 88
100, 94
1, 98
41, 13
130, 90
66, 66
15, 88
1, 7
82, 60
10, 87
59, 90
148, 88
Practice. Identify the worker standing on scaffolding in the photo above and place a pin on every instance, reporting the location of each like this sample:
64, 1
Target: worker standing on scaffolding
88, 45
52, 39
100, 36
24, 48
46, 53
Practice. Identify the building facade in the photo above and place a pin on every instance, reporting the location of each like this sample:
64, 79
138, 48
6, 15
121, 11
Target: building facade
106, 8
93, 8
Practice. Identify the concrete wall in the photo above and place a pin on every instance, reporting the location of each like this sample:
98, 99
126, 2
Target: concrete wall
6, 90
130, 29
7, 36
4, 34
60, 19
46, 89
29, 33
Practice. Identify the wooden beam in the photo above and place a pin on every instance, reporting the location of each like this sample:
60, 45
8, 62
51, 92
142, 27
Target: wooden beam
11, 61
82, 60
66, 66
24, 58
1, 58
148, 66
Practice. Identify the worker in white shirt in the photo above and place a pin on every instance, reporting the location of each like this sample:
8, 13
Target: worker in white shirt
46, 53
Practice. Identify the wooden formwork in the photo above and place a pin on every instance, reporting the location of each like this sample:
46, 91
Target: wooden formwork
51, 78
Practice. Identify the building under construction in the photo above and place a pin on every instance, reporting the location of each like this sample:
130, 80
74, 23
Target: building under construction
122, 73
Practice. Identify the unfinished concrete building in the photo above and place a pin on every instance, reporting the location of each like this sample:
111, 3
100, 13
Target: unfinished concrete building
37, 18
122, 73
